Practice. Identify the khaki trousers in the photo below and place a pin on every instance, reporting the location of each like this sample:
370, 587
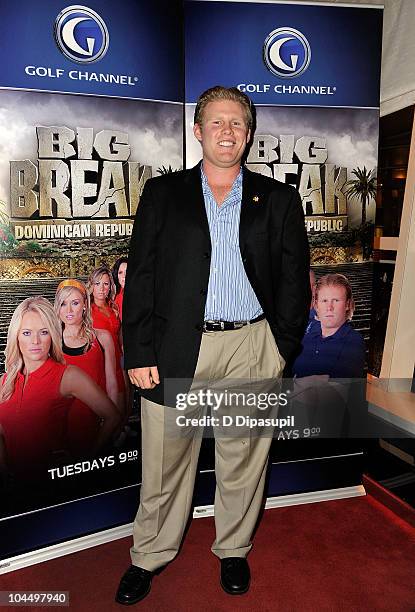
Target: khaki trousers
170, 461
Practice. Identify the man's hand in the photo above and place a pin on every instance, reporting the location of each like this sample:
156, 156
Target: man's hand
144, 378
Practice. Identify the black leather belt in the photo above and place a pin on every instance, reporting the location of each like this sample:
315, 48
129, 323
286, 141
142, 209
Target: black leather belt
210, 326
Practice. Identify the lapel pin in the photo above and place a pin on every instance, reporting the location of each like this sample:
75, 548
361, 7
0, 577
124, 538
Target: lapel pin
255, 199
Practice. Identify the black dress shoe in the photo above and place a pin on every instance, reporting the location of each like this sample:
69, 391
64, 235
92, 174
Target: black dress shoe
134, 586
234, 575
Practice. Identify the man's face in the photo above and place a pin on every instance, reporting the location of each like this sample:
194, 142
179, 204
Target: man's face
332, 307
223, 134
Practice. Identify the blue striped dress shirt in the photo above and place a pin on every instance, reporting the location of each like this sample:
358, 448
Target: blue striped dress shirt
230, 296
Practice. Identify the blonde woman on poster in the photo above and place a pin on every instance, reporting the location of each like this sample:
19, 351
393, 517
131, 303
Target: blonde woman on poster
37, 390
90, 349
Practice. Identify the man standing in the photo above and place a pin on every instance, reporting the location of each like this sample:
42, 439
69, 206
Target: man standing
217, 288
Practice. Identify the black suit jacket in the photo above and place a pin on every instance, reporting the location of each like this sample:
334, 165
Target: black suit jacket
169, 263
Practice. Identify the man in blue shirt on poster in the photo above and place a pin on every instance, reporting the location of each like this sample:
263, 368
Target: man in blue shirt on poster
331, 346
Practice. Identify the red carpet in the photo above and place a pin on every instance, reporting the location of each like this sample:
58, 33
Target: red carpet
350, 555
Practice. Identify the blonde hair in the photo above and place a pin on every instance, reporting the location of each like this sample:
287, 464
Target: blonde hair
94, 277
62, 293
224, 93
337, 280
14, 358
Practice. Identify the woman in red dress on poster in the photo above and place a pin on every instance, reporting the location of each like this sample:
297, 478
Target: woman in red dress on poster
119, 272
90, 349
105, 315
37, 390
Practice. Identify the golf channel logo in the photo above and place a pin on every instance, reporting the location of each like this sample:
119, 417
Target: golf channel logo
81, 34
287, 52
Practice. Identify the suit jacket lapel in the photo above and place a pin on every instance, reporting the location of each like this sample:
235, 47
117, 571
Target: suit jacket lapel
195, 203
194, 200
248, 206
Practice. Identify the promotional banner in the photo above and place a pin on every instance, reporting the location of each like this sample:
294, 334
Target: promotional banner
285, 53
313, 73
72, 170
91, 106
127, 50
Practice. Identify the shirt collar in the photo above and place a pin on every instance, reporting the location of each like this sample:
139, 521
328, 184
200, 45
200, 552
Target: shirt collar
237, 184
315, 330
41, 372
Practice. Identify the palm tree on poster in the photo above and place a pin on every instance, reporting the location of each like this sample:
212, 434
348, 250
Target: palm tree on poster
363, 187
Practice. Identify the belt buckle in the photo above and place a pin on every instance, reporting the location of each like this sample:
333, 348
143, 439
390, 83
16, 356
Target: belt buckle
214, 325
217, 325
